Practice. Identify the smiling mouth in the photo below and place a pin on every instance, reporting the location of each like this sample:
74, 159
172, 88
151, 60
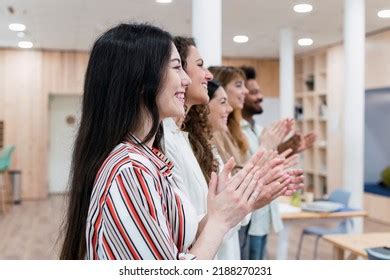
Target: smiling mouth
181, 97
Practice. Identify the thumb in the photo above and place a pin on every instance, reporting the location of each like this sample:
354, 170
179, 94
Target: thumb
213, 184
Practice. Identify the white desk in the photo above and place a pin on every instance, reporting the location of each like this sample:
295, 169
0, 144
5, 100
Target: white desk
291, 215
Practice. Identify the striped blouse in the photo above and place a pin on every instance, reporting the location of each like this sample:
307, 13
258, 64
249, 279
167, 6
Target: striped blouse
136, 209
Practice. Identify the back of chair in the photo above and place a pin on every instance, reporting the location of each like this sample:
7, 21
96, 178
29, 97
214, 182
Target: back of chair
340, 196
5, 157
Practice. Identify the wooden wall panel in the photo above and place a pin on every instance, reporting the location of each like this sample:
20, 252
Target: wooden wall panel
2, 81
26, 80
22, 106
267, 72
64, 72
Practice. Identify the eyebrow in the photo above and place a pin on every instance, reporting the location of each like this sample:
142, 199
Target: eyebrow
176, 59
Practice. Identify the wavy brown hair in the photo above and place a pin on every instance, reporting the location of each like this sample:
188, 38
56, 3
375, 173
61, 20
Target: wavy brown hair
225, 74
195, 122
199, 134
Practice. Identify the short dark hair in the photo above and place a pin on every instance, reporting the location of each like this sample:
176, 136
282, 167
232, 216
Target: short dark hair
250, 72
125, 72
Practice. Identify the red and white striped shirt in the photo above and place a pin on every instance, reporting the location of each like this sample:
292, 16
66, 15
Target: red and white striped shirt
136, 209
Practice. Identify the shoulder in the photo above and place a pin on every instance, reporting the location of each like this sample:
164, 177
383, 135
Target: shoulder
127, 157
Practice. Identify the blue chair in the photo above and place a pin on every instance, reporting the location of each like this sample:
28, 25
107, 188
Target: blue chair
381, 253
5, 163
339, 196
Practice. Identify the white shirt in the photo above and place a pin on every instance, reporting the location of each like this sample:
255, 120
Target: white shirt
187, 171
188, 174
268, 217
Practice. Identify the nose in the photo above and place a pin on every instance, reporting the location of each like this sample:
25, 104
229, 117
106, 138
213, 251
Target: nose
245, 91
261, 96
209, 76
229, 108
185, 79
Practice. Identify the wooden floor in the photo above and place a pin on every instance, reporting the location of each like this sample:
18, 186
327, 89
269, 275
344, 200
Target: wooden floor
31, 231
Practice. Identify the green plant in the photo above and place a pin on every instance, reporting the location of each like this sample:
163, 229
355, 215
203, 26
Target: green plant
385, 177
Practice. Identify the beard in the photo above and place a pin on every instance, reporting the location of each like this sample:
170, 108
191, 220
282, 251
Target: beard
253, 110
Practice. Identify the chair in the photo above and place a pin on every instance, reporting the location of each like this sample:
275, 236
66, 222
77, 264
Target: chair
380, 253
339, 196
5, 163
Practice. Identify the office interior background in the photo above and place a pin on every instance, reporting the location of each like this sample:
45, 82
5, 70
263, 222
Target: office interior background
328, 67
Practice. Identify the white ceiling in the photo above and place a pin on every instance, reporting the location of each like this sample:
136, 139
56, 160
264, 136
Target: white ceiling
74, 24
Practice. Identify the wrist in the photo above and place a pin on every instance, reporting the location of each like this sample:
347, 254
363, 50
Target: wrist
217, 226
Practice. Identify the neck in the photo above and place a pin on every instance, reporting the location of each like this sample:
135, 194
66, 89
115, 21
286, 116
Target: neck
247, 116
143, 130
179, 121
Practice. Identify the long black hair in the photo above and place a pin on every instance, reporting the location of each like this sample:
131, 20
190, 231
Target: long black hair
124, 75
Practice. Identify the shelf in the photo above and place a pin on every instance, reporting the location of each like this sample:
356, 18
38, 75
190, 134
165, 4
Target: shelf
312, 98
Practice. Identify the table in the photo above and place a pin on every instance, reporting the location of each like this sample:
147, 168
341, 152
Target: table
291, 215
356, 243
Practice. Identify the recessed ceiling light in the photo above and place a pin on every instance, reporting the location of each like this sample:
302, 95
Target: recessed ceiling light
384, 14
303, 8
17, 27
305, 42
240, 39
25, 45
164, 1
21, 34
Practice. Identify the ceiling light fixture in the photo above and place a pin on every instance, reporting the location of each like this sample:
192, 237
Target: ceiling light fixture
240, 39
303, 8
305, 42
164, 1
25, 45
384, 14
17, 27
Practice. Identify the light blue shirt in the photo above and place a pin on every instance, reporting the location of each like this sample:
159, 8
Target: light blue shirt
267, 218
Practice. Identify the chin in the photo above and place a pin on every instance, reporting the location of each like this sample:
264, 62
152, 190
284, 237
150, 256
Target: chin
203, 100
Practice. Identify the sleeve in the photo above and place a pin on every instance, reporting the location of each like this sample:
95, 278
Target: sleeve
135, 222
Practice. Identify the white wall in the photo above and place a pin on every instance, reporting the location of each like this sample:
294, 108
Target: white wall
270, 111
61, 139
377, 133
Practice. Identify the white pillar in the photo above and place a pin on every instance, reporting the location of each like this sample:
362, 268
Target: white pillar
286, 73
207, 29
354, 40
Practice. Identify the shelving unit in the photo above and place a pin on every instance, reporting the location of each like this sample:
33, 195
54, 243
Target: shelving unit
311, 114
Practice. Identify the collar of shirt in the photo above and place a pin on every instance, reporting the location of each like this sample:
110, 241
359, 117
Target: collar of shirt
155, 155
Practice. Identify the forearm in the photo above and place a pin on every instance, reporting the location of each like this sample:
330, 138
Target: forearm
209, 240
201, 225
